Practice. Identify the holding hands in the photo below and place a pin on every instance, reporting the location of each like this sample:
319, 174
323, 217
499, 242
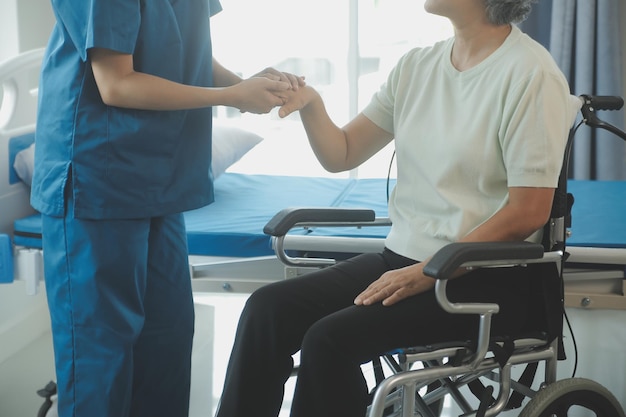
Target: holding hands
265, 90
293, 80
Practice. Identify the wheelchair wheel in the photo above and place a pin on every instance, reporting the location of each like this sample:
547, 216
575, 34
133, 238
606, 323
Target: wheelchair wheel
578, 396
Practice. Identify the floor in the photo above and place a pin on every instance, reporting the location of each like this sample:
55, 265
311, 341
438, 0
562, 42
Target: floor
227, 309
22, 375
33, 367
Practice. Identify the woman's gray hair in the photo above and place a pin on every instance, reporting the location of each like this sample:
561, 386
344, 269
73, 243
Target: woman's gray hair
502, 12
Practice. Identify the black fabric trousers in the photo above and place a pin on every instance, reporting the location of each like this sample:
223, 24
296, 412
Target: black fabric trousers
315, 314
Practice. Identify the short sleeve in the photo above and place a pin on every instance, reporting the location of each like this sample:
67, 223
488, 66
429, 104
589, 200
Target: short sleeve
214, 7
111, 24
535, 129
381, 108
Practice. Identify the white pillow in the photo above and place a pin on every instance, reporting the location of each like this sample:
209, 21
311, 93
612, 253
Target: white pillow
24, 163
229, 145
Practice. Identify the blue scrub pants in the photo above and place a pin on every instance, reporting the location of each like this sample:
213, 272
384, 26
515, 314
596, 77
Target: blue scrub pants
119, 294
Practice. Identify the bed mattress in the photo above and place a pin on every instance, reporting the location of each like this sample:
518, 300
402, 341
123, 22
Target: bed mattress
598, 214
233, 224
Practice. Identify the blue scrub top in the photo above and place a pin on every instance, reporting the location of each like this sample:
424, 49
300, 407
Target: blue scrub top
123, 163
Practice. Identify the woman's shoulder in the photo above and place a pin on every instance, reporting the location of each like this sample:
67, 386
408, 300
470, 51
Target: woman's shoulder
530, 54
434, 51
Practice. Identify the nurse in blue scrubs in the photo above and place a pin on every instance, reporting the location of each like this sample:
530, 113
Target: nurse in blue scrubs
123, 148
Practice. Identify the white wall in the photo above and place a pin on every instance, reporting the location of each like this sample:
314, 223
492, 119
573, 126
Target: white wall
24, 25
36, 21
8, 29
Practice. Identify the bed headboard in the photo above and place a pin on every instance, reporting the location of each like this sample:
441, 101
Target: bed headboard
19, 78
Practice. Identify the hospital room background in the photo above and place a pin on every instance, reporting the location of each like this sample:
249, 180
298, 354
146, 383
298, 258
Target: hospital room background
345, 49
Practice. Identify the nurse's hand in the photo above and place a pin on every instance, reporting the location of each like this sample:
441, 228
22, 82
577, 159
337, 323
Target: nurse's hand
258, 94
396, 285
296, 81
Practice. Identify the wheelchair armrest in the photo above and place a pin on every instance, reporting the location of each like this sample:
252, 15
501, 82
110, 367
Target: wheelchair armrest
469, 254
287, 218
454, 255
305, 217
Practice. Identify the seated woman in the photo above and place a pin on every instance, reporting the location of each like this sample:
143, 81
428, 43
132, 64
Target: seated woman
480, 123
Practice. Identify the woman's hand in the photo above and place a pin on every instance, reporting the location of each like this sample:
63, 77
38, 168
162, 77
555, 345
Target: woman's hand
296, 100
396, 285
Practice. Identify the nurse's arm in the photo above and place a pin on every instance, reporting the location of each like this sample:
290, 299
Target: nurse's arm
121, 86
223, 77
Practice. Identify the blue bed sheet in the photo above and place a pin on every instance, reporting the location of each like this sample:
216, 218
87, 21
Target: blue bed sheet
598, 214
233, 224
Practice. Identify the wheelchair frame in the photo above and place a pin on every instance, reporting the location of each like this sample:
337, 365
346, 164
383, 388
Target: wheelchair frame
422, 376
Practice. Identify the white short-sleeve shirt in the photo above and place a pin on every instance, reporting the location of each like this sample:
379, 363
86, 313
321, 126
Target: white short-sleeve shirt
463, 138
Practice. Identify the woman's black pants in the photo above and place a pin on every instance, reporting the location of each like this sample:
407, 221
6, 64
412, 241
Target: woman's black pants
315, 314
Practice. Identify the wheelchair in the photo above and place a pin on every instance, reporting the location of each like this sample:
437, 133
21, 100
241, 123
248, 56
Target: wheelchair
415, 381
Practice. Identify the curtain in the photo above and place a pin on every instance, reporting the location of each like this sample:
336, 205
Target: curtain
584, 37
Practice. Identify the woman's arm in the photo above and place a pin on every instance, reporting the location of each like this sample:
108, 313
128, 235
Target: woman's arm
337, 149
526, 212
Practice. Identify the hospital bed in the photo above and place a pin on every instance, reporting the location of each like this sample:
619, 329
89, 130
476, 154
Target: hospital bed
229, 251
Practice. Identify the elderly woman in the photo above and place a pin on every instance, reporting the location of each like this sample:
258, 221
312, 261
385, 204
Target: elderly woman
479, 123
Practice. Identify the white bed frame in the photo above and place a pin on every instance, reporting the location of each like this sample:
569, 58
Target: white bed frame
18, 80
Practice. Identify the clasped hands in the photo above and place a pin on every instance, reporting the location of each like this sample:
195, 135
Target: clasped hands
271, 88
266, 90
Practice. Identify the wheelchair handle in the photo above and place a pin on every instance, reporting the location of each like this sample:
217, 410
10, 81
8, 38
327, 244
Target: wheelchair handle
603, 102
593, 103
